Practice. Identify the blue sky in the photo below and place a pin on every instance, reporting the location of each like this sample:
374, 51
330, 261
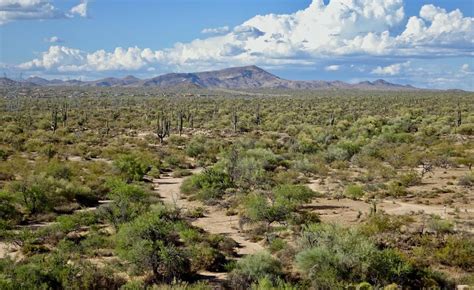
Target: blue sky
424, 43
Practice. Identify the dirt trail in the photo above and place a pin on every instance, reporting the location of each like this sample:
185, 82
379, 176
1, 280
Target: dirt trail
215, 222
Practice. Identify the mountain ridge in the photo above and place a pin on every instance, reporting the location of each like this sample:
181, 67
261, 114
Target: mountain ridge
246, 77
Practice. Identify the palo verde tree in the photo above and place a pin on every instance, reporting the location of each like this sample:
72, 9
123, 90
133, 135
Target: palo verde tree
151, 243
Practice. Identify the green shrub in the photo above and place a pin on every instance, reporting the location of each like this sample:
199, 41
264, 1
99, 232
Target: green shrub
149, 242
128, 202
333, 257
209, 184
467, 180
252, 268
9, 214
466, 129
411, 178
396, 189
132, 167
277, 245
458, 252
354, 192
331, 254
204, 257
440, 226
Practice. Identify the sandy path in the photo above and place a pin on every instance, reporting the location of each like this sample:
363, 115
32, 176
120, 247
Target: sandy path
10, 250
215, 221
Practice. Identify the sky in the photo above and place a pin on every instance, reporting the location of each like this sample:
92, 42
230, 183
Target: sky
425, 43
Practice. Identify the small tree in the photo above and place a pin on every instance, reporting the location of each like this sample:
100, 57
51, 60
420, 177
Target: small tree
129, 201
132, 167
150, 243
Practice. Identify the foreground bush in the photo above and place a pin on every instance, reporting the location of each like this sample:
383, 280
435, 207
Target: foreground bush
210, 184
252, 268
334, 257
150, 243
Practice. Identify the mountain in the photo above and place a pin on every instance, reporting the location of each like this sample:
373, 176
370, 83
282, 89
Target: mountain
253, 77
114, 82
38, 81
6, 82
247, 77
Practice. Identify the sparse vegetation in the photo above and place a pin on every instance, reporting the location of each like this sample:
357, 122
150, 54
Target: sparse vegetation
271, 189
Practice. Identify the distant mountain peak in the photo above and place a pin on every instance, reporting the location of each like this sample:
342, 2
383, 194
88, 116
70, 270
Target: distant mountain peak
243, 77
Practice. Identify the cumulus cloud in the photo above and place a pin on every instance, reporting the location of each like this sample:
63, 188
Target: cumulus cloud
339, 30
466, 69
80, 9
332, 67
217, 30
56, 58
436, 28
13, 10
391, 70
54, 39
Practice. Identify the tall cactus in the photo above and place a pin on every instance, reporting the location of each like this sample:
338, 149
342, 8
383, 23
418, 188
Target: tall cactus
459, 116
54, 119
181, 117
258, 117
235, 120
64, 113
163, 125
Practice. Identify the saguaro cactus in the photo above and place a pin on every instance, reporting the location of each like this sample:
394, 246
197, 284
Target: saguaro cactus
163, 125
64, 113
258, 117
459, 117
235, 120
181, 117
54, 119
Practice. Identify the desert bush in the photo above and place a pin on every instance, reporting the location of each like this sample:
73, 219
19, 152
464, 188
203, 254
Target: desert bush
277, 205
383, 223
205, 257
207, 185
396, 189
132, 167
252, 268
411, 178
466, 129
9, 214
332, 256
181, 173
440, 226
354, 191
150, 243
467, 180
128, 202
458, 251
54, 272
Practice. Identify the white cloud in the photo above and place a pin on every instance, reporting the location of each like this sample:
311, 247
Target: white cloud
54, 39
80, 9
391, 70
436, 29
217, 30
14, 10
11, 10
56, 58
332, 67
339, 31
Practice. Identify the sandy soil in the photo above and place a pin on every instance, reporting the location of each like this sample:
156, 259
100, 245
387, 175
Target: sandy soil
215, 222
438, 194
10, 250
